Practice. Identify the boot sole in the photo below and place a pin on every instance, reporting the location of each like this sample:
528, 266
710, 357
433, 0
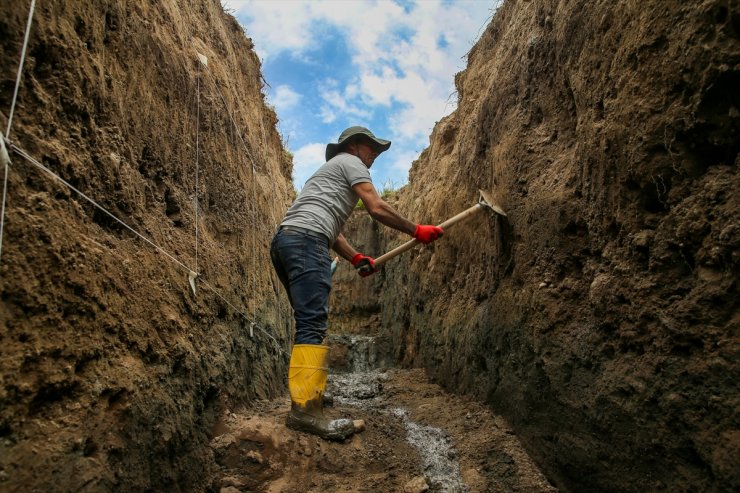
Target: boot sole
342, 431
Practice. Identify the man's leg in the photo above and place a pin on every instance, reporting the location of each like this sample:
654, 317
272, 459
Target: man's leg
277, 264
304, 267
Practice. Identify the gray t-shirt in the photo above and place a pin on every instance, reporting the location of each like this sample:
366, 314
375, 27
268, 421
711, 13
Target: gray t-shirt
327, 198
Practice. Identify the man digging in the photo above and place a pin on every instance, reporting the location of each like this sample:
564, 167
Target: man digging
300, 255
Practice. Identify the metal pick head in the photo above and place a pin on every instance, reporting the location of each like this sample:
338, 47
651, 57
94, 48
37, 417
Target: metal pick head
487, 201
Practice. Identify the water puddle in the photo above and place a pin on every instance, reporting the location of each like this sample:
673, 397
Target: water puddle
362, 387
441, 467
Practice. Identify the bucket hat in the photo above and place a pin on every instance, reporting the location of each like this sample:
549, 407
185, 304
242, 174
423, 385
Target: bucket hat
332, 149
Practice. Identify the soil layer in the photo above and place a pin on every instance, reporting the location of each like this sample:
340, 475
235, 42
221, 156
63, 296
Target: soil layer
599, 318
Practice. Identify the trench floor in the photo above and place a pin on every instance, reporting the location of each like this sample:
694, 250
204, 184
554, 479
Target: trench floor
418, 438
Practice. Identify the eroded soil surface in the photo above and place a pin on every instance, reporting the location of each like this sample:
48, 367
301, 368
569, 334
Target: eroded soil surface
418, 438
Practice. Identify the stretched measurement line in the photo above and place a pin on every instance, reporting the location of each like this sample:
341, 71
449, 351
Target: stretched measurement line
197, 170
233, 122
6, 164
235, 127
45, 169
5, 157
20, 67
233, 307
254, 178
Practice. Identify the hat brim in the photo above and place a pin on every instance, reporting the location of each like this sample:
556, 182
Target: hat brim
332, 149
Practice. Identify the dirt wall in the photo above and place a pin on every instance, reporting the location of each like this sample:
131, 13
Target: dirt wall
112, 369
601, 317
354, 302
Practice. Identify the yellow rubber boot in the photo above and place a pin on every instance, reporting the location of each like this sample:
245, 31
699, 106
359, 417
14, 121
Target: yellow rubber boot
307, 383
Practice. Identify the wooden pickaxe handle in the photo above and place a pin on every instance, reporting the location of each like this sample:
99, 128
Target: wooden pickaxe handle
410, 244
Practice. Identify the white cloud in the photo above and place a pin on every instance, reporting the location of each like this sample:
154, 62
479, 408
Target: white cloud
422, 102
337, 102
418, 73
327, 114
306, 161
276, 25
398, 169
375, 30
284, 98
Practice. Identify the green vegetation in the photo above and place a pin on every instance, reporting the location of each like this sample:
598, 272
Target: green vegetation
388, 191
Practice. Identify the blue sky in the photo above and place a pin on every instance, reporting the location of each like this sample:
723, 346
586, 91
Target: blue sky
387, 65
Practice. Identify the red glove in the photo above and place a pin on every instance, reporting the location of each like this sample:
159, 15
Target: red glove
426, 233
365, 265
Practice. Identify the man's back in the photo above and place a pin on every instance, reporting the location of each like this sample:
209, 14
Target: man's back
327, 198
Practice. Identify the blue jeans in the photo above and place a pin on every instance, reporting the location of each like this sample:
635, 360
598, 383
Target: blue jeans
303, 264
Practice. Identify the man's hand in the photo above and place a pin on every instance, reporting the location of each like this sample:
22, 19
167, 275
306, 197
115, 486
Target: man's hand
365, 265
426, 233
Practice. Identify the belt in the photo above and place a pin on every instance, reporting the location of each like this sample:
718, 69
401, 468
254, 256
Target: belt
304, 231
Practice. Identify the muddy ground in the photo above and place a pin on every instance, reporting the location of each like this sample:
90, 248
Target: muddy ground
417, 437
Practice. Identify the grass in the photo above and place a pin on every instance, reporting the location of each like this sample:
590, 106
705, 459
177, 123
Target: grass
388, 191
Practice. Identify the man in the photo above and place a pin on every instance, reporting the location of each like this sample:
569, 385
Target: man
300, 255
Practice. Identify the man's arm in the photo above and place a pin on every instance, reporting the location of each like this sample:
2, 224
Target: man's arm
343, 248
381, 211
365, 265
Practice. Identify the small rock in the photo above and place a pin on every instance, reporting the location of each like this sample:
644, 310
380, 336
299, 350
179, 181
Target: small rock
255, 456
233, 481
416, 485
543, 285
359, 425
642, 239
223, 441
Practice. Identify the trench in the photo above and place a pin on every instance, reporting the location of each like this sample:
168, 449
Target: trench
600, 321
